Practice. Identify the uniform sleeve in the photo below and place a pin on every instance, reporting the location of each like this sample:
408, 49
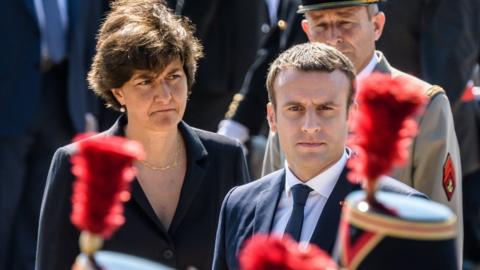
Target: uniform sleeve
433, 147
57, 244
249, 106
273, 159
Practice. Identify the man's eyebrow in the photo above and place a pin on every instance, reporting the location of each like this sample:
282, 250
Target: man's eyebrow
321, 104
327, 104
291, 103
344, 13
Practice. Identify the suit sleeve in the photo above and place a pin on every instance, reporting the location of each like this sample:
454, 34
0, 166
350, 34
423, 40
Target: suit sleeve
57, 244
219, 255
273, 159
433, 146
242, 175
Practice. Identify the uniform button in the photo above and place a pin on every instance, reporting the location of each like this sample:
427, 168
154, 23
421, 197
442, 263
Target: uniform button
168, 254
265, 28
282, 25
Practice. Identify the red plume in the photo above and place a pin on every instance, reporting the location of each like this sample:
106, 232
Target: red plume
262, 252
383, 126
103, 167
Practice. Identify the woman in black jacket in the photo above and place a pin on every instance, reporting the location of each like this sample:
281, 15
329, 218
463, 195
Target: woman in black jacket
144, 66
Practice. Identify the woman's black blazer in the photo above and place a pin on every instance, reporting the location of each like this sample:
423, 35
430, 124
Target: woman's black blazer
215, 164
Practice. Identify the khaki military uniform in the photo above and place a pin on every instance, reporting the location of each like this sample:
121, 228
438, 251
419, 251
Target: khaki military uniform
433, 167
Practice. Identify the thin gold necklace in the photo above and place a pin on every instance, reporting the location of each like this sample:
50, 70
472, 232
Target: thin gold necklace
172, 165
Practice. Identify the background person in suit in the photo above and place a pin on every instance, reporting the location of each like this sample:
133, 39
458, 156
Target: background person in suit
46, 50
246, 113
434, 159
229, 32
311, 91
145, 64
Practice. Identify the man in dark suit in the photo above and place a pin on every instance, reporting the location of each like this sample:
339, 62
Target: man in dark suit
434, 160
311, 90
46, 48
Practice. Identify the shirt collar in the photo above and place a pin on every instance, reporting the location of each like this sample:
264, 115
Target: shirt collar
322, 183
369, 68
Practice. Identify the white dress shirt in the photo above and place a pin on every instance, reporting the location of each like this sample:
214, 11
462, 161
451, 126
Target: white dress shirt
367, 70
321, 185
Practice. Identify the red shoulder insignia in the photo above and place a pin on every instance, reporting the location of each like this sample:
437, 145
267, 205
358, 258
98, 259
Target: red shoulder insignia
449, 181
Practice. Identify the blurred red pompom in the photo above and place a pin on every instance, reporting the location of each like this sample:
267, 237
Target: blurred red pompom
262, 252
383, 125
103, 170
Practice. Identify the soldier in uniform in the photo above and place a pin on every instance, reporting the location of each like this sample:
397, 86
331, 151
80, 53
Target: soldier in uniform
433, 166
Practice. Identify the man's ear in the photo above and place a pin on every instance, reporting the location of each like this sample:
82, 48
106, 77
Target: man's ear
306, 29
118, 94
352, 109
378, 21
271, 117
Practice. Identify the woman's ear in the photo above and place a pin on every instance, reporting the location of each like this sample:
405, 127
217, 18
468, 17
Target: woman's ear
352, 109
118, 94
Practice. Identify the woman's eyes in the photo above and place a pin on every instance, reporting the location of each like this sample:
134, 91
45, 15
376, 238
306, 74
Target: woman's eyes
150, 81
173, 76
145, 82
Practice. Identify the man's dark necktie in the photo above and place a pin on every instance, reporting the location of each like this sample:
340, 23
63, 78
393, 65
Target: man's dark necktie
54, 32
294, 226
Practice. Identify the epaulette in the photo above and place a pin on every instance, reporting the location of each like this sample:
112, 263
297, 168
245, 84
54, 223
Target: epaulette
433, 91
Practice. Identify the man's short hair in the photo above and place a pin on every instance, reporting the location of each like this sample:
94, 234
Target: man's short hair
311, 56
140, 35
372, 10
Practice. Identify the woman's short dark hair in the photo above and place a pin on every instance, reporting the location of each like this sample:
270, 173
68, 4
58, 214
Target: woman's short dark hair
140, 35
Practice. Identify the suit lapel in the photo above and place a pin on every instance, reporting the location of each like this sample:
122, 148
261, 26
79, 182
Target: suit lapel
383, 66
197, 164
141, 199
196, 168
267, 204
136, 190
30, 6
325, 232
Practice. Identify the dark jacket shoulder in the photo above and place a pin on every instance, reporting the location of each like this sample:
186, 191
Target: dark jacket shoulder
246, 195
213, 140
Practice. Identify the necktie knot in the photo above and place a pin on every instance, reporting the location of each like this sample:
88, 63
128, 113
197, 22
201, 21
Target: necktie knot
300, 193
